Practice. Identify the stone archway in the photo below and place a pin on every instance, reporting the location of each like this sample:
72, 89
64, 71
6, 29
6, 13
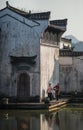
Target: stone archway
23, 87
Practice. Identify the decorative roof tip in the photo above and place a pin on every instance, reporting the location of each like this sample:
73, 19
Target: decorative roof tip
29, 11
7, 4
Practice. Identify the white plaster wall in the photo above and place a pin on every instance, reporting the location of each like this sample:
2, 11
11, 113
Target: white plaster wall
49, 67
65, 60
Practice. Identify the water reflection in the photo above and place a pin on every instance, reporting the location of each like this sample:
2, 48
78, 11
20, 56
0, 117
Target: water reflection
52, 121
19, 121
65, 119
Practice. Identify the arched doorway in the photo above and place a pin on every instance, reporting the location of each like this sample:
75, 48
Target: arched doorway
23, 87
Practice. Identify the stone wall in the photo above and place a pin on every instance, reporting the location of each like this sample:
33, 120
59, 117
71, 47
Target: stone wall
19, 37
71, 74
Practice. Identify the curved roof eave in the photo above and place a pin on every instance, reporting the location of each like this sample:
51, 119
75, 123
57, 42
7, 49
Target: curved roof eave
57, 27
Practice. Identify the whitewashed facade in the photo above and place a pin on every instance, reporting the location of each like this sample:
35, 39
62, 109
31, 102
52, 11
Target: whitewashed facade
49, 54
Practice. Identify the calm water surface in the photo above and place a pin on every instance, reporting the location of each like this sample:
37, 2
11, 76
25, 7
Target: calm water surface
65, 119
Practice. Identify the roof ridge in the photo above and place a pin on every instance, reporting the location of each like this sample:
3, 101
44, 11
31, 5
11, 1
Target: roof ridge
15, 9
33, 16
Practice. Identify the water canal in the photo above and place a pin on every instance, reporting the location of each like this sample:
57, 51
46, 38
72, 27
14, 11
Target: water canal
69, 118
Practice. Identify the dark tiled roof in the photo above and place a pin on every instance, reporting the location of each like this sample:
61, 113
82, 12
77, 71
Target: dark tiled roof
56, 28
65, 39
39, 16
62, 22
69, 52
27, 59
33, 16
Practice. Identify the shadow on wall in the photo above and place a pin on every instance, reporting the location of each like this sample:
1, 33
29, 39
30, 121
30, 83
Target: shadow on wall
55, 75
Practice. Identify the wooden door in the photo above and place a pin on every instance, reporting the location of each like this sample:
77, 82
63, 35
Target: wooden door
23, 90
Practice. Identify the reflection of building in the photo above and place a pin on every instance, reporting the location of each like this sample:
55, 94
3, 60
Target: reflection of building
50, 121
29, 51
70, 67
20, 122
26, 121
65, 119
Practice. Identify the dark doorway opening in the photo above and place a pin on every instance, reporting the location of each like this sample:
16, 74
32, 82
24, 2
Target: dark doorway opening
23, 87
